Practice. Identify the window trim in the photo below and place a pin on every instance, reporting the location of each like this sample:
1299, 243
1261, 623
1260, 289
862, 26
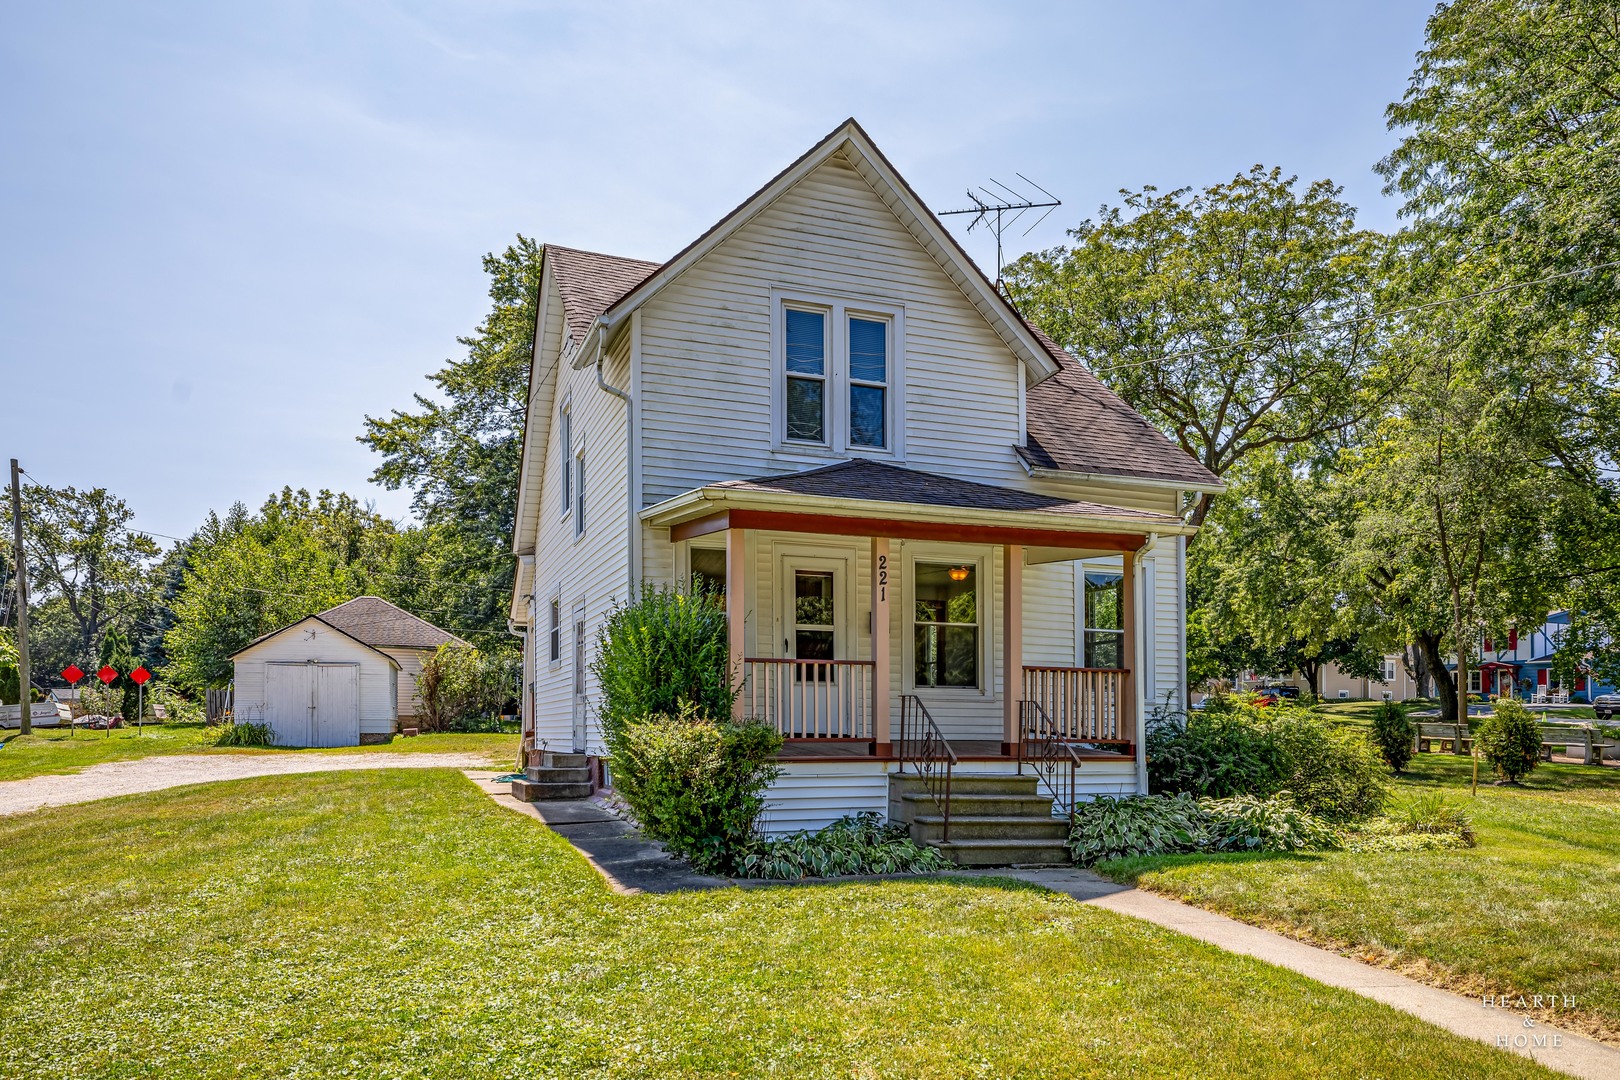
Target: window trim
838, 310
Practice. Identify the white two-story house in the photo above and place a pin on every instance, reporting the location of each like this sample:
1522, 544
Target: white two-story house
935, 531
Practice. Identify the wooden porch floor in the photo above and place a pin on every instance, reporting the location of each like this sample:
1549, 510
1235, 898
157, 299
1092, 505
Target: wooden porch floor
966, 750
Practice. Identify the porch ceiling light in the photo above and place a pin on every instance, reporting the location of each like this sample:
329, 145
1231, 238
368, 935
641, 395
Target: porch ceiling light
958, 573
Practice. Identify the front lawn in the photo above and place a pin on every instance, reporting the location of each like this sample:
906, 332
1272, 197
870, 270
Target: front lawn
1535, 908
401, 924
54, 750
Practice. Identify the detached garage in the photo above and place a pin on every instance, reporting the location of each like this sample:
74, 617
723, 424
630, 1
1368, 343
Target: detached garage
340, 678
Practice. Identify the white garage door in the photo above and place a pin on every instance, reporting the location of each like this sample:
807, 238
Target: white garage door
313, 704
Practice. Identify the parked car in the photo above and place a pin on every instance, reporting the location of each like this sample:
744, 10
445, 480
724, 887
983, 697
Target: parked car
1606, 705
1271, 695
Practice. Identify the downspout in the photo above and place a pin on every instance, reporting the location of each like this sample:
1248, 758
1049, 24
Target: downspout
629, 456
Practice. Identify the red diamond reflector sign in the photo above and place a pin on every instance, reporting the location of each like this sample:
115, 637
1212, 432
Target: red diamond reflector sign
140, 675
72, 674
106, 674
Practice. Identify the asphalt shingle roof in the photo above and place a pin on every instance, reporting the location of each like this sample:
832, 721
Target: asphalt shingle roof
376, 622
589, 281
881, 482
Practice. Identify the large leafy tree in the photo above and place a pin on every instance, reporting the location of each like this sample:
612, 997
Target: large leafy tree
249, 574
459, 453
88, 572
1510, 166
1231, 317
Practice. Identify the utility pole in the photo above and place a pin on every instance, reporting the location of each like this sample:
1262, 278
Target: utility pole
24, 686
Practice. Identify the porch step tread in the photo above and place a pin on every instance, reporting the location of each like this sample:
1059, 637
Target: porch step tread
538, 791
1013, 820
557, 774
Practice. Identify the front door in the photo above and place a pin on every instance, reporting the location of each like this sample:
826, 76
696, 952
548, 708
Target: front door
580, 734
815, 632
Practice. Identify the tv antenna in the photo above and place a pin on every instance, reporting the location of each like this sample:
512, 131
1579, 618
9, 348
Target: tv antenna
1000, 210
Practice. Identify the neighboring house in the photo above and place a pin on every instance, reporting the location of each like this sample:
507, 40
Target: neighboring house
1521, 666
925, 517
1392, 683
342, 677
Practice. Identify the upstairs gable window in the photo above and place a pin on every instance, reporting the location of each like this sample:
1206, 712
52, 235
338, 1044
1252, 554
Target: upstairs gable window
838, 375
806, 375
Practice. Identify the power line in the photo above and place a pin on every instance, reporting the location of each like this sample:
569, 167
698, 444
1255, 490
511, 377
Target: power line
1357, 319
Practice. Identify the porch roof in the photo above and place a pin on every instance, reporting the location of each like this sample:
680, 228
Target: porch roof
863, 497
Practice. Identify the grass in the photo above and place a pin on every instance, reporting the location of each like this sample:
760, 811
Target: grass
1535, 908
54, 751
401, 924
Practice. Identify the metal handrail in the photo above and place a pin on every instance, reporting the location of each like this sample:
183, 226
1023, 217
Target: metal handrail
1052, 752
931, 755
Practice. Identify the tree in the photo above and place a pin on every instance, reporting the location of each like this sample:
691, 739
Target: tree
88, 572
1220, 314
247, 575
460, 451
115, 653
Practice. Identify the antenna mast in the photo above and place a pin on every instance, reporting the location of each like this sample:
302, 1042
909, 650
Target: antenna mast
1000, 210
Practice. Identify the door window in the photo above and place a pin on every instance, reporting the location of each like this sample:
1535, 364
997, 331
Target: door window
814, 615
579, 655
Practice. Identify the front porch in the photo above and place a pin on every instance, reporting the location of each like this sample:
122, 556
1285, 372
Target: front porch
945, 618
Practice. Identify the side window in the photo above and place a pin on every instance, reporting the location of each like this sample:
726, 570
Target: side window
945, 624
555, 630
806, 360
579, 494
1105, 627
708, 570
565, 441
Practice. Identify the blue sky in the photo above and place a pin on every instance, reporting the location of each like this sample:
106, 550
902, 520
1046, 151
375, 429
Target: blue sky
233, 230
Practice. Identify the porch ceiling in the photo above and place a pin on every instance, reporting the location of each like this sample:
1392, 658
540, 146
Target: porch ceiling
868, 498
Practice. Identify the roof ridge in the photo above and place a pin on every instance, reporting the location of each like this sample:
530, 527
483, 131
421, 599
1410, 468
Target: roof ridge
549, 246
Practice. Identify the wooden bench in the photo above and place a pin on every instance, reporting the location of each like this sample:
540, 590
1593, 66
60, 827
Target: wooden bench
1589, 739
1429, 733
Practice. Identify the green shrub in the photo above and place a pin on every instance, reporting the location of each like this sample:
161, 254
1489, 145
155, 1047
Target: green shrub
1116, 828
862, 844
464, 689
1232, 747
1245, 823
1333, 772
1216, 752
1393, 732
656, 655
696, 785
245, 733
1510, 740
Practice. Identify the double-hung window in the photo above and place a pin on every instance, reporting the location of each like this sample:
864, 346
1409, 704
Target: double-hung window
838, 376
565, 441
1105, 625
554, 629
806, 356
579, 493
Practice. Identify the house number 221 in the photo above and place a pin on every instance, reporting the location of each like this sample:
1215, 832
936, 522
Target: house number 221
883, 577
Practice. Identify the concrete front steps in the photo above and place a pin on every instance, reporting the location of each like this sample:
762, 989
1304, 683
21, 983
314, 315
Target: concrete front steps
996, 820
558, 776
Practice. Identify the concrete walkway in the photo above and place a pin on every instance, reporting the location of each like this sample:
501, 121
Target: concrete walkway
1469, 1017
631, 864
628, 861
156, 773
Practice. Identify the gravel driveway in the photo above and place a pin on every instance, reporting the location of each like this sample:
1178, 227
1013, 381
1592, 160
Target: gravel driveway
155, 773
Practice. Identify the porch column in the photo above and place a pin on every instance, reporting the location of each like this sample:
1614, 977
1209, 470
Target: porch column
880, 647
736, 612
1131, 654
1012, 644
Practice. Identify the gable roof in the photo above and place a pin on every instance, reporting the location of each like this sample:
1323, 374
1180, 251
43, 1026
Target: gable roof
278, 631
373, 621
878, 481
850, 141
590, 282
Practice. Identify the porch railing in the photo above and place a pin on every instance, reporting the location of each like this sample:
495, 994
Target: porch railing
1053, 757
810, 699
924, 747
1083, 704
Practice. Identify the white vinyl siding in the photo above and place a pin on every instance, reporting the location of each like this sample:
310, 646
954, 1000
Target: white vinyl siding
410, 666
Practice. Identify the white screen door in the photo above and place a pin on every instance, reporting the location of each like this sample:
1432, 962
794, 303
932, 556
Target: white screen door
580, 733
